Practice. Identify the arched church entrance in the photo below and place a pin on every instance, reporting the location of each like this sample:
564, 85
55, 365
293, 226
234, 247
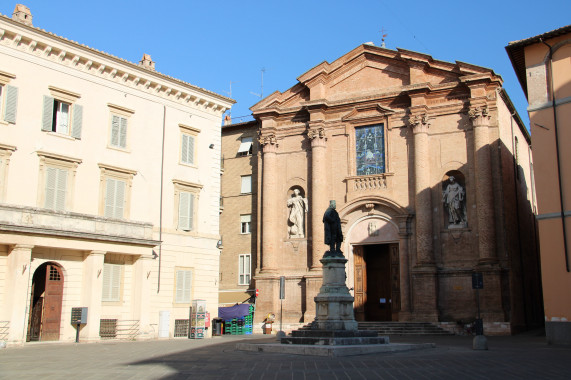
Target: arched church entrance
46, 303
374, 247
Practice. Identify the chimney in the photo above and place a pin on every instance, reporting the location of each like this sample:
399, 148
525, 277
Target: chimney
227, 119
22, 14
147, 63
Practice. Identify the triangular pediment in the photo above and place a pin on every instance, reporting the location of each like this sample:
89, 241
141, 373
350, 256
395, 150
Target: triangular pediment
368, 112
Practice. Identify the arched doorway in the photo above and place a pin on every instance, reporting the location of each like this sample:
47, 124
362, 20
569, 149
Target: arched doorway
46, 303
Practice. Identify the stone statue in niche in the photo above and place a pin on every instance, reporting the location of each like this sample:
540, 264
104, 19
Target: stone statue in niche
454, 199
296, 220
333, 233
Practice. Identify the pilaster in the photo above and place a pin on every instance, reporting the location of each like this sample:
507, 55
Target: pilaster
142, 295
484, 185
318, 193
269, 203
423, 200
18, 279
91, 294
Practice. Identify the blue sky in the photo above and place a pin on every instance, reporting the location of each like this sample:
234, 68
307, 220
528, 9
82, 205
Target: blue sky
211, 44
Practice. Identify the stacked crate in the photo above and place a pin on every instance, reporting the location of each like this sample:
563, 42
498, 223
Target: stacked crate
240, 326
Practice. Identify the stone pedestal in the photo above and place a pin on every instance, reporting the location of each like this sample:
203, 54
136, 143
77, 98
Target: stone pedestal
334, 302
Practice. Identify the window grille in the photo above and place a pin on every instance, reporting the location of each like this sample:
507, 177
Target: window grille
181, 328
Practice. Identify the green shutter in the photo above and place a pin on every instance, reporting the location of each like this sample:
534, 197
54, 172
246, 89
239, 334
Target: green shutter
119, 199
51, 179
190, 150
123, 133
184, 149
48, 114
11, 104
115, 131
110, 198
184, 201
61, 188
77, 122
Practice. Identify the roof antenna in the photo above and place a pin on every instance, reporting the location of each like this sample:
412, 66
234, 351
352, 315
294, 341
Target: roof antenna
261, 94
383, 34
230, 96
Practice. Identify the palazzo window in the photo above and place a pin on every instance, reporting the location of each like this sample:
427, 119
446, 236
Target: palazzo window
5, 153
57, 180
370, 149
183, 286
8, 98
112, 274
61, 114
186, 202
115, 191
245, 148
119, 126
245, 222
188, 136
246, 184
244, 269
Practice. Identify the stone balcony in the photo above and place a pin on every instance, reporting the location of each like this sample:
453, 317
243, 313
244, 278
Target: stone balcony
48, 223
377, 184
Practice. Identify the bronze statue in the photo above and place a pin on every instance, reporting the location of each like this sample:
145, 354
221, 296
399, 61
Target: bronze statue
333, 233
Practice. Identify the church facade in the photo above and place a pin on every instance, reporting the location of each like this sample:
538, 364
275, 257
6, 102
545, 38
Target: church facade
430, 168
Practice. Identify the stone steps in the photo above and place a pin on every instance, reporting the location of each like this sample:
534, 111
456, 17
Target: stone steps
404, 328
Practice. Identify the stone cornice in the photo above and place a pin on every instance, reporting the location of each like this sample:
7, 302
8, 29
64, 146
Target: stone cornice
48, 46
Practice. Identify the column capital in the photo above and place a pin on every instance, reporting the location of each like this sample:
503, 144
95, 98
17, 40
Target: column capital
269, 143
480, 116
419, 123
23, 247
317, 137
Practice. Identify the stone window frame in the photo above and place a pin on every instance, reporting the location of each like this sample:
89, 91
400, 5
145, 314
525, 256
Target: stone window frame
5, 79
121, 113
186, 187
247, 223
5, 155
241, 184
241, 267
352, 151
116, 173
191, 132
57, 161
75, 113
121, 275
182, 303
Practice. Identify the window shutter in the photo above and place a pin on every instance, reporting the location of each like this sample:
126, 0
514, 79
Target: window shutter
110, 198
51, 174
190, 211
190, 150
184, 149
183, 283
11, 104
116, 283
115, 131
241, 269
111, 282
119, 199
77, 122
184, 206
123, 133
61, 187
247, 267
246, 184
48, 114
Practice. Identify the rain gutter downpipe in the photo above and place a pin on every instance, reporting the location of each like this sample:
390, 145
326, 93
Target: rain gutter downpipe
161, 200
553, 106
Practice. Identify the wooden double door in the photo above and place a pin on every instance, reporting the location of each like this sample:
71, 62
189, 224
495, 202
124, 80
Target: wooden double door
46, 303
377, 282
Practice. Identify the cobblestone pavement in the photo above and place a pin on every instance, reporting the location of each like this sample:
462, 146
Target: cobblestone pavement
524, 356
